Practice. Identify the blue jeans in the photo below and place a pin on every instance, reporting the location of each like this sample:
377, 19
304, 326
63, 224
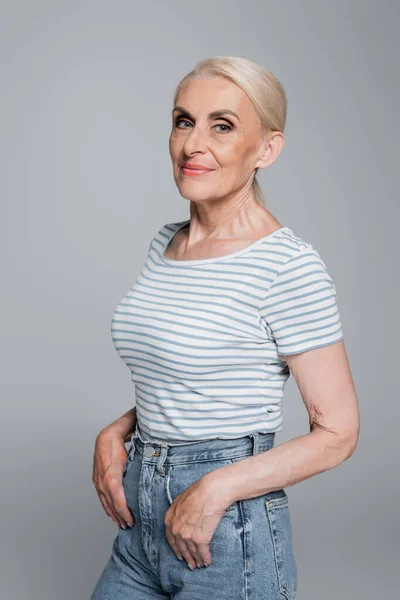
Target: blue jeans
251, 550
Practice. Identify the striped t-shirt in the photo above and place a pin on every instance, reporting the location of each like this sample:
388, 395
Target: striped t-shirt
205, 340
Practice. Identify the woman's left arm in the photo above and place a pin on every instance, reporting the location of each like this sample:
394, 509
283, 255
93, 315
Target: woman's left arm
326, 385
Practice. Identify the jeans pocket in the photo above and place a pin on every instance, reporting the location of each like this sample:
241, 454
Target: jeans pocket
179, 477
281, 532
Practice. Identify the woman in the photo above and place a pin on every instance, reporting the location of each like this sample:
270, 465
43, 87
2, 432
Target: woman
228, 303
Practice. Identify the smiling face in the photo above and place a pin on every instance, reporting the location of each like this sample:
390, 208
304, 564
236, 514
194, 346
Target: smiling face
231, 145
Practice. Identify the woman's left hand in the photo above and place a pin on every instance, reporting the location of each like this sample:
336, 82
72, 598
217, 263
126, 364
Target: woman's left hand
190, 523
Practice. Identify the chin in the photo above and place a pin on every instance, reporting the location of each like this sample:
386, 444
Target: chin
197, 198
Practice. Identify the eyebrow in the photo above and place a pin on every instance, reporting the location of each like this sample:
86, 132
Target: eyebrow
215, 113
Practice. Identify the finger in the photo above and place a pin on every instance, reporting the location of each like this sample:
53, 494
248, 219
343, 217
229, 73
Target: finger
203, 552
177, 543
180, 548
121, 506
113, 514
104, 502
194, 550
107, 508
107, 502
111, 492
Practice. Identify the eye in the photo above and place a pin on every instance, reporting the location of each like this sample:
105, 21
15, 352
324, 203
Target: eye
179, 121
223, 125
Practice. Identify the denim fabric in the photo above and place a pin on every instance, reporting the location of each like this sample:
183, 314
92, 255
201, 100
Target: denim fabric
251, 550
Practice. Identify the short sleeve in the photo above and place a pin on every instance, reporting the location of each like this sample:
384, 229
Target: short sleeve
300, 307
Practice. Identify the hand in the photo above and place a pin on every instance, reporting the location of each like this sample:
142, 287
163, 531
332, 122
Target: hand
190, 523
108, 464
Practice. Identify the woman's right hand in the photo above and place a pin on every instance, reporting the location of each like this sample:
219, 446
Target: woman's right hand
109, 460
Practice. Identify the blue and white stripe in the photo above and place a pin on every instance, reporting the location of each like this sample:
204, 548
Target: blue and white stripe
205, 339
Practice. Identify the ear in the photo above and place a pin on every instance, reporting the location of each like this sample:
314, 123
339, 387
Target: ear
270, 149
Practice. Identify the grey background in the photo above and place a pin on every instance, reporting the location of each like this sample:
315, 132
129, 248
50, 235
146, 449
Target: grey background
87, 181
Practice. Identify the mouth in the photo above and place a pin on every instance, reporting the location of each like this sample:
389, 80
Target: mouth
191, 171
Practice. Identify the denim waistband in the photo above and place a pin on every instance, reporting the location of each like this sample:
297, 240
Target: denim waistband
213, 449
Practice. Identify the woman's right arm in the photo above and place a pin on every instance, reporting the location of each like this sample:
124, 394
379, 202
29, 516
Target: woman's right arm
109, 458
122, 427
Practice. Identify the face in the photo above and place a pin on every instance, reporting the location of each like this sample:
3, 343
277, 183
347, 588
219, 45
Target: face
230, 144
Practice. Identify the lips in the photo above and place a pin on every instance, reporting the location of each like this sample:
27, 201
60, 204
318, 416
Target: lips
196, 167
195, 172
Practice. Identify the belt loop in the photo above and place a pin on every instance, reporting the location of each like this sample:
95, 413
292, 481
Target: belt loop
132, 446
255, 442
161, 459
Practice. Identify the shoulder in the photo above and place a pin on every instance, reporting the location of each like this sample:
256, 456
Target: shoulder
293, 242
299, 306
294, 260
292, 247
168, 229
165, 232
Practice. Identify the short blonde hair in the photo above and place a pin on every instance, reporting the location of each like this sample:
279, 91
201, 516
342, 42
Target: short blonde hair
261, 86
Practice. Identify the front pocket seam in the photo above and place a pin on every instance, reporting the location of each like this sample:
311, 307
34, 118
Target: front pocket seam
271, 505
166, 485
167, 480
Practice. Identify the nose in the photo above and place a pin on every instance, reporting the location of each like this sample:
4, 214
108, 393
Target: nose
196, 141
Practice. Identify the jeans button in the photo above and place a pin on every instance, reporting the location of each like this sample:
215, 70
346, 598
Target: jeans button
148, 451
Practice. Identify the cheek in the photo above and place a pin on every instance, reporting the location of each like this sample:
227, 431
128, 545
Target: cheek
234, 162
175, 152
235, 152
176, 142
172, 143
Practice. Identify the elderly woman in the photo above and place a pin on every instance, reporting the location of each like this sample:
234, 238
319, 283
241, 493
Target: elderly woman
227, 305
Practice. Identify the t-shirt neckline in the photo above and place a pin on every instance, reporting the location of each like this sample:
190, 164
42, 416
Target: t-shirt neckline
201, 261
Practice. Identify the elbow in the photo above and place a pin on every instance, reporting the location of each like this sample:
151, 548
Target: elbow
352, 434
338, 446
348, 442
341, 441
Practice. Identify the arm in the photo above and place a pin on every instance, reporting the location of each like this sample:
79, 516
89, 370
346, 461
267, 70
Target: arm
326, 385
108, 462
122, 427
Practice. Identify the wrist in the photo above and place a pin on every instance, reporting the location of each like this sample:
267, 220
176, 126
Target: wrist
122, 428
114, 430
220, 489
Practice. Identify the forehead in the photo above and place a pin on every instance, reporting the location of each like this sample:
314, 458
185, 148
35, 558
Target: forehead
207, 94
